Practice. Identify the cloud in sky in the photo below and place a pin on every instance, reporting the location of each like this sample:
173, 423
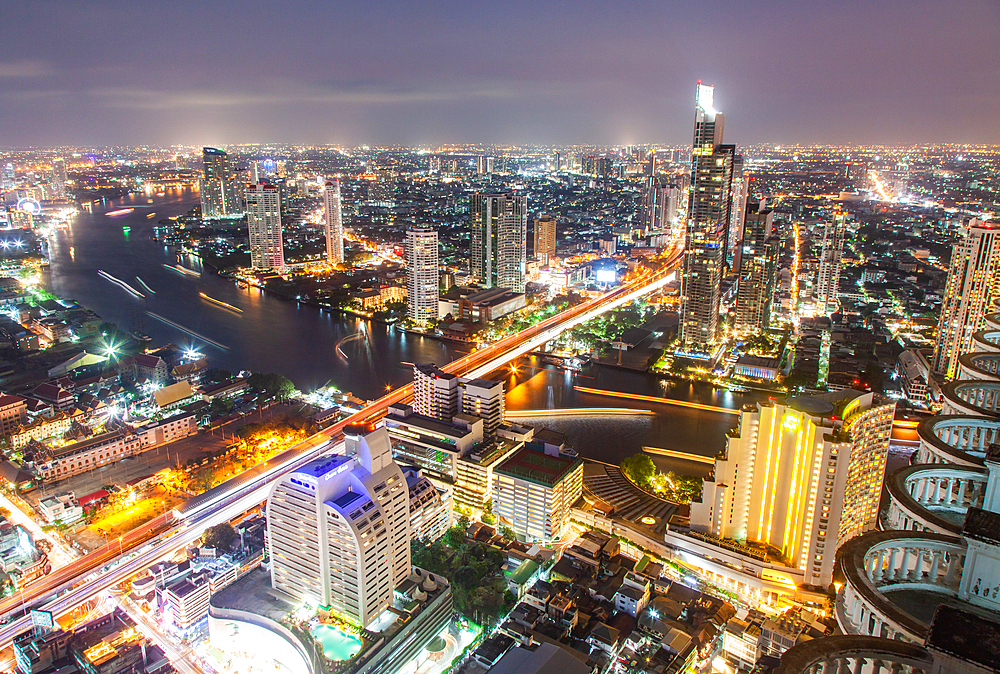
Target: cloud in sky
522, 71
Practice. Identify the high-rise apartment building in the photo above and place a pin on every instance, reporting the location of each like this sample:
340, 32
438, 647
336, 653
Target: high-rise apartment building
436, 393
338, 529
737, 211
484, 165
802, 475
422, 282
708, 219
333, 223
484, 398
264, 222
220, 195
498, 248
441, 395
545, 238
830, 260
758, 267
972, 292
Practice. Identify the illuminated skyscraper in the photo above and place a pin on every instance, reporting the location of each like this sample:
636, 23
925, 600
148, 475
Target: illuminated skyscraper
498, 247
8, 178
220, 195
830, 260
422, 283
484, 165
59, 178
972, 292
333, 222
264, 223
338, 529
545, 237
758, 266
802, 475
708, 220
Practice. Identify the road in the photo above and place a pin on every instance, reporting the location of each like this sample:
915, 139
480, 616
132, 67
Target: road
85, 577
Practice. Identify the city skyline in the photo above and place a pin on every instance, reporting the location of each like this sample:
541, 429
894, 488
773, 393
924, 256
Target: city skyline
409, 76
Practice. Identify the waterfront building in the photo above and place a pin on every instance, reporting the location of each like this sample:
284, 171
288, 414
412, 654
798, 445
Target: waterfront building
758, 268
474, 472
534, 489
830, 261
800, 475
498, 248
972, 292
545, 238
708, 219
338, 529
219, 191
484, 398
332, 222
422, 280
264, 224
436, 393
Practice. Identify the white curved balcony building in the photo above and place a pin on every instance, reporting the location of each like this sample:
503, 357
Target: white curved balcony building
887, 577
933, 497
975, 397
978, 365
958, 439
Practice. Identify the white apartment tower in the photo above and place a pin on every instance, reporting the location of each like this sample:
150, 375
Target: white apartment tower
333, 222
484, 398
422, 282
264, 222
545, 238
972, 292
498, 241
338, 529
830, 261
802, 475
441, 395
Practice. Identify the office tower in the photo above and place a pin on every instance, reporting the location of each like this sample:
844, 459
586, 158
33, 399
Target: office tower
59, 178
758, 267
220, 195
737, 211
534, 489
659, 206
708, 218
338, 529
484, 165
436, 393
333, 223
803, 475
8, 178
257, 172
264, 222
545, 238
557, 162
972, 292
422, 282
830, 260
498, 250
484, 398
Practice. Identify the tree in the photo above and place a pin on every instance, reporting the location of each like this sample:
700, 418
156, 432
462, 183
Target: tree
639, 468
220, 407
508, 534
220, 536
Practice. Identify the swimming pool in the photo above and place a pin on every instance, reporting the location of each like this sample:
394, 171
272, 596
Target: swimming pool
337, 643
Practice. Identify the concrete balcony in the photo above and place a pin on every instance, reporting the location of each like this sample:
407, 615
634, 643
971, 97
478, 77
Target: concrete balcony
986, 341
933, 497
981, 365
956, 439
894, 580
855, 655
973, 397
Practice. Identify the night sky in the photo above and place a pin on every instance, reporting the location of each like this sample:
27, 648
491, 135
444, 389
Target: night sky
522, 72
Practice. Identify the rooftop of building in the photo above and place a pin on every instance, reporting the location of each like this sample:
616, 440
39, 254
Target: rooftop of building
320, 467
967, 636
536, 466
432, 370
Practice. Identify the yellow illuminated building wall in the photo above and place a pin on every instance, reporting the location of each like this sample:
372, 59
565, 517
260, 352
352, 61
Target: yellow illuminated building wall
800, 476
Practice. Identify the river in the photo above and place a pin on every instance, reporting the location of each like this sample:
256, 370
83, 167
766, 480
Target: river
299, 341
